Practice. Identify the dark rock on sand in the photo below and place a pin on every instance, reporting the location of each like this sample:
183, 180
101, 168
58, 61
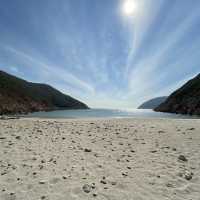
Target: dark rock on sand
87, 188
182, 158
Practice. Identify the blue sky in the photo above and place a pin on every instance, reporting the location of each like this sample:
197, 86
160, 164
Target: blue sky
93, 51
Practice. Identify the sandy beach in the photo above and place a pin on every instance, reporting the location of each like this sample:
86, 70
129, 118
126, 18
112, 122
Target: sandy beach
111, 159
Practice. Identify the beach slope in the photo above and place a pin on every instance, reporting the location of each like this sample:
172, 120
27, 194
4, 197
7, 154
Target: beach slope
114, 159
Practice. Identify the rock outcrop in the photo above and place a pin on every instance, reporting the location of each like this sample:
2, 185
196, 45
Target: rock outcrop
20, 96
153, 103
185, 100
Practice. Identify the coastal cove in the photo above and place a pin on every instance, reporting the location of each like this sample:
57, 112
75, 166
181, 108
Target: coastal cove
100, 100
107, 113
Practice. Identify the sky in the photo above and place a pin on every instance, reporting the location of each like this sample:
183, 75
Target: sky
106, 53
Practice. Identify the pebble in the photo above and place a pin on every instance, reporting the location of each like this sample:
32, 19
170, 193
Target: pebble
41, 182
188, 175
113, 183
18, 137
87, 150
87, 188
183, 158
94, 195
103, 182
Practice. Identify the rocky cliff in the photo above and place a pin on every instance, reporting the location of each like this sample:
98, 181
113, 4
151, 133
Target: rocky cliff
185, 100
20, 96
152, 103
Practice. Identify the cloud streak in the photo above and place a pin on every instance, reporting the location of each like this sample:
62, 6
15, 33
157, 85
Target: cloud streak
92, 52
53, 71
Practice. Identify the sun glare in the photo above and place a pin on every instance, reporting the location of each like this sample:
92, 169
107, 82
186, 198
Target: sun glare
129, 7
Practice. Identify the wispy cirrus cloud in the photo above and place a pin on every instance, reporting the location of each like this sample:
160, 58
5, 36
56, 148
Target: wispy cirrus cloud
147, 73
52, 71
95, 53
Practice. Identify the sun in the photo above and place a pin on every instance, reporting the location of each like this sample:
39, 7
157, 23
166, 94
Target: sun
129, 7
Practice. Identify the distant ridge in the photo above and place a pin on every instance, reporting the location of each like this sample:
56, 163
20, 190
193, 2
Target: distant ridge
20, 96
152, 103
185, 100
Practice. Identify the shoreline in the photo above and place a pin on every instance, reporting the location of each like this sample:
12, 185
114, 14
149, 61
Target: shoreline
106, 118
103, 114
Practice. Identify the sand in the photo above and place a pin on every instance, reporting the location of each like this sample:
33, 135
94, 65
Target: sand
114, 159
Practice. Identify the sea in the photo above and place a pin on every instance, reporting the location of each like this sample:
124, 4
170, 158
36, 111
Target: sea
107, 113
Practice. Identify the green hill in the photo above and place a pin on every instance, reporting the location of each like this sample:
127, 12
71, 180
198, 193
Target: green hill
20, 96
185, 100
152, 103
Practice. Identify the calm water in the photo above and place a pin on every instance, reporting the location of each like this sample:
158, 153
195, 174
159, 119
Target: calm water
106, 113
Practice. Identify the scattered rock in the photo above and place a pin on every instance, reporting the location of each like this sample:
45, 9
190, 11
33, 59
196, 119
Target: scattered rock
103, 182
182, 158
87, 188
191, 129
170, 185
113, 183
124, 174
94, 195
161, 131
42, 182
188, 175
18, 137
87, 150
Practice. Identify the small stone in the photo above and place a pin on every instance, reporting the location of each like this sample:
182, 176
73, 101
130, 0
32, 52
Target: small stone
188, 175
94, 195
182, 158
3, 173
113, 183
124, 174
161, 131
169, 185
191, 129
42, 182
18, 137
103, 182
87, 188
87, 150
